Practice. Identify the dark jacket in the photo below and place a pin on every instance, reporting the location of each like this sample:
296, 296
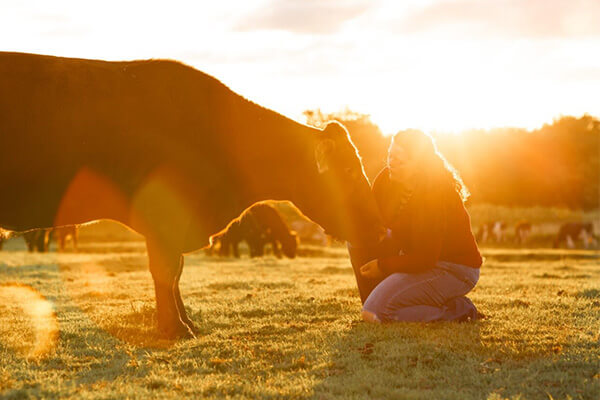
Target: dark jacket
432, 226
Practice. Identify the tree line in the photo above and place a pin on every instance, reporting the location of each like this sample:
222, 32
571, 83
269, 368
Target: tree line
555, 165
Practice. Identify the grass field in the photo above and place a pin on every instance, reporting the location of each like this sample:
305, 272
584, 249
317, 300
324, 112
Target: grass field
290, 329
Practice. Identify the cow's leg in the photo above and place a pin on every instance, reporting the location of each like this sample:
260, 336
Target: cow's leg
570, 243
180, 306
165, 266
256, 248
260, 248
236, 250
276, 249
224, 249
252, 246
46, 239
40, 240
62, 239
29, 240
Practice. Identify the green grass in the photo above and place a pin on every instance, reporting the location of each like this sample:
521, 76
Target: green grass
290, 329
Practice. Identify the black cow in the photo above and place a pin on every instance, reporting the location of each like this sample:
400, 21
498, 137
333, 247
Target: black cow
257, 226
168, 151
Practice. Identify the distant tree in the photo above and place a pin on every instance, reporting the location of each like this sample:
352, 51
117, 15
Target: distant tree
555, 165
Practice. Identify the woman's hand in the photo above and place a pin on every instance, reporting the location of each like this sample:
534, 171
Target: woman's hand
371, 270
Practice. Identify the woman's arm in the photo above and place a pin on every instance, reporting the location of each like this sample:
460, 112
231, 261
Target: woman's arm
362, 255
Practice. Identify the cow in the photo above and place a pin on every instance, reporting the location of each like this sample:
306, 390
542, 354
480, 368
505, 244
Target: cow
168, 151
243, 228
276, 231
571, 231
522, 231
37, 240
493, 230
258, 225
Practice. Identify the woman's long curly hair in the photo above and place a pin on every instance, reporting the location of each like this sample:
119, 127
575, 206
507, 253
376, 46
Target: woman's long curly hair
433, 165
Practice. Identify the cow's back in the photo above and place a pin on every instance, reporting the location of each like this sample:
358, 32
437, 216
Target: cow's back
119, 121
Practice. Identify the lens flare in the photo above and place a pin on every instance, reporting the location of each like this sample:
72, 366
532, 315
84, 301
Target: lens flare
29, 323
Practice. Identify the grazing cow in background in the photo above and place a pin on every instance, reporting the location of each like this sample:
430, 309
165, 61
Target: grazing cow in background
276, 231
493, 231
240, 229
168, 151
258, 225
571, 231
522, 232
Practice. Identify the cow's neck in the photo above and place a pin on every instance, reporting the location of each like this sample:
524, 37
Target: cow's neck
276, 156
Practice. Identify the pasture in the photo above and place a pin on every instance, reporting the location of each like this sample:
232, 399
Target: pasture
81, 325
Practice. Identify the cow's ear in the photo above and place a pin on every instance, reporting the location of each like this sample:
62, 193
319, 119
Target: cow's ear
322, 154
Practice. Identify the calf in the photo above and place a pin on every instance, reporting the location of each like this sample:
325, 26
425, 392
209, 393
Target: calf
259, 225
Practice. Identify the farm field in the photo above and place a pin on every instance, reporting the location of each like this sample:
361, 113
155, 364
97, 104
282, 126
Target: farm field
80, 325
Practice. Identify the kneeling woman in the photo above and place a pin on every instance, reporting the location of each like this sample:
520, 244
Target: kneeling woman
429, 261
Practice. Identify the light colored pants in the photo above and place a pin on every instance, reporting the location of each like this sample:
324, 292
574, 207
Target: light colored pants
434, 295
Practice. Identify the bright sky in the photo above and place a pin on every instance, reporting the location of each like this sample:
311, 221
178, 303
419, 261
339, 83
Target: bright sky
428, 64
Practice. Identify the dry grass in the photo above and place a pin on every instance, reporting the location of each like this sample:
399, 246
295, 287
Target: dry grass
290, 329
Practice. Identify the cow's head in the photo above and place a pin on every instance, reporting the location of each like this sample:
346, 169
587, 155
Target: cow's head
347, 207
289, 244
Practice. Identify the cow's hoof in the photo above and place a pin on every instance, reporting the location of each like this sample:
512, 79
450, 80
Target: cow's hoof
178, 331
195, 330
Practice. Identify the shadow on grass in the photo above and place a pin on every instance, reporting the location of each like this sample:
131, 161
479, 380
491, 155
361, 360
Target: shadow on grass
450, 361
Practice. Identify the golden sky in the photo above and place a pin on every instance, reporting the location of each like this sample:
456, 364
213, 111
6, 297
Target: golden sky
428, 64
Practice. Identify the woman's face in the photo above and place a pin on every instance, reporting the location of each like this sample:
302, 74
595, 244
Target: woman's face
402, 167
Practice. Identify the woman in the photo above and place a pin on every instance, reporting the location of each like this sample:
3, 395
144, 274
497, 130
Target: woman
429, 260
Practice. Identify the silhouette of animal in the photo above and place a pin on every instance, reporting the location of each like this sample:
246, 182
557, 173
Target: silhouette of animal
492, 231
522, 231
258, 225
243, 228
168, 151
37, 240
571, 231
276, 231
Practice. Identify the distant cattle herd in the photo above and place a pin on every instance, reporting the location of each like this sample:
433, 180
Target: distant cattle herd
570, 234
39, 239
262, 225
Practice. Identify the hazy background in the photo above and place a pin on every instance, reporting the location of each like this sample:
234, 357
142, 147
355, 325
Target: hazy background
427, 64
